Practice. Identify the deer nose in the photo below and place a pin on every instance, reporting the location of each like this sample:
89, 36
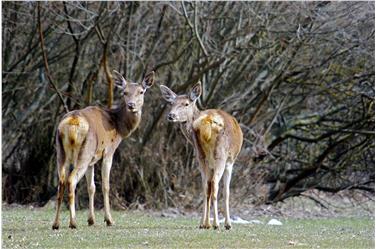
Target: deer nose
171, 116
131, 105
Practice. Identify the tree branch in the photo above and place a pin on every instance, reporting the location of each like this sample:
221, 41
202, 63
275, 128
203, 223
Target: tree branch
46, 61
194, 28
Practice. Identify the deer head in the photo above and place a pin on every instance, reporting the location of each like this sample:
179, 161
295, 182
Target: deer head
133, 93
183, 106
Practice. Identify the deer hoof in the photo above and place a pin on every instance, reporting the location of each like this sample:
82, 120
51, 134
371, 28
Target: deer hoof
73, 225
216, 227
55, 226
109, 222
228, 227
205, 226
90, 221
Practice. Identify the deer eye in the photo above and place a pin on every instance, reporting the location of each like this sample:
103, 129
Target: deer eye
186, 104
142, 92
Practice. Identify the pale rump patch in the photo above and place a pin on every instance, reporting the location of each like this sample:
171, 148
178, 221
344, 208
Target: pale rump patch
214, 121
208, 127
73, 120
73, 131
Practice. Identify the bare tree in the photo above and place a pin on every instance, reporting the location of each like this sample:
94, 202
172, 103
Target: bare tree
298, 76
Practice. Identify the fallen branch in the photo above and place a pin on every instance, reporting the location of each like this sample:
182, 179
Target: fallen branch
315, 200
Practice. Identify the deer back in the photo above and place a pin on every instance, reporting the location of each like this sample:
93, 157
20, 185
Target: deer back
102, 127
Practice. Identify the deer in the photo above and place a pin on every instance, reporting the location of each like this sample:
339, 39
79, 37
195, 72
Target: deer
87, 135
217, 140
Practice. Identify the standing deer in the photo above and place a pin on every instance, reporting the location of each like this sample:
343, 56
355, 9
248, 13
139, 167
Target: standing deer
217, 140
88, 135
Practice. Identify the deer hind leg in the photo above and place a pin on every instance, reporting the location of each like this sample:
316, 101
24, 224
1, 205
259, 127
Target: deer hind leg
204, 223
106, 167
220, 167
91, 190
226, 191
60, 195
208, 195
73, 179
206, 174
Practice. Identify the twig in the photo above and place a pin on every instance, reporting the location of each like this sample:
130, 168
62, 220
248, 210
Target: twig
45, 60
194, 29
196, 32
104, 64
275, 115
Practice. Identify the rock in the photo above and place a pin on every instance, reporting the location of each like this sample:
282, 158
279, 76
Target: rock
171, 213
168, 215
255, 222
50, 205
275, 222
237, 220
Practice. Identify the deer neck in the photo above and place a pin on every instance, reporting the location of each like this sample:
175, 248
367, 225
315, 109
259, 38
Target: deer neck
125, 120
188, 125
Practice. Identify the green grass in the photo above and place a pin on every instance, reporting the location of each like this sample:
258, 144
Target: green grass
25, 228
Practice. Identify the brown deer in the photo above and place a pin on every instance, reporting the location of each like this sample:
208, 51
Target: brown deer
88, 135
217, 140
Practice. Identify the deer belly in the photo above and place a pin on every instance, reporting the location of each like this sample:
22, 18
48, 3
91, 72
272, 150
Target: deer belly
97, 156
94, 160
106, 140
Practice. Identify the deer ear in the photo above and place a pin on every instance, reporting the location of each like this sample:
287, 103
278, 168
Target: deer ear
195, 91
167, 93
148, 81
120, 81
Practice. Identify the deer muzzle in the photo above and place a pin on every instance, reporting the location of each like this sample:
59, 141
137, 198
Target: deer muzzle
172, 117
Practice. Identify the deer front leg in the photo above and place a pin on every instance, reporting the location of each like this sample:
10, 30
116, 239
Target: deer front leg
226, 191
106, 167
91, 190
73, 179
60, 195
218, 172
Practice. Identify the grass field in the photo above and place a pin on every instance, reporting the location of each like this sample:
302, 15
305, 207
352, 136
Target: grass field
25, 228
